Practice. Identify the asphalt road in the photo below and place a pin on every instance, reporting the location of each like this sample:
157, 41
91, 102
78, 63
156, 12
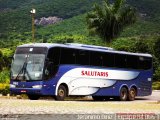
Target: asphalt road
154, 97
74, 109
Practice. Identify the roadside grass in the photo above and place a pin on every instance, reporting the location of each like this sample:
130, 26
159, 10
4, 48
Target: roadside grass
4, 88
156, 85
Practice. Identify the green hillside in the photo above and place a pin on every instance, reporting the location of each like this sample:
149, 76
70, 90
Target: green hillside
149, 7
15, 19
77, 25
148, 20
15, 14
70, 30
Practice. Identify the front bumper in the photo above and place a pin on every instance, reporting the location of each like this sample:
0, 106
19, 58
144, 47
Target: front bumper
19, 91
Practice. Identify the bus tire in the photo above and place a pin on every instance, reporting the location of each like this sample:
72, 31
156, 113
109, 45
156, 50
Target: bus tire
132, 94
123, 94
33, 97
61, 93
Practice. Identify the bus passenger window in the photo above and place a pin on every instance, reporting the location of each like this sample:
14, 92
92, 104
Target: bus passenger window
96, 59
68, 56
82, 57
120, 61
145, 63
132, 62
108, 60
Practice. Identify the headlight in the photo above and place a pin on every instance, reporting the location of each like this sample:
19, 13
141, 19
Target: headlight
12, 86
37, 86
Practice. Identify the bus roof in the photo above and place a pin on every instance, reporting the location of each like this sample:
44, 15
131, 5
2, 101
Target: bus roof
84, 47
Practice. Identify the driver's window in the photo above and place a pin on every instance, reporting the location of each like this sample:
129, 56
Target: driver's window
52, 62
49, 70
54, 55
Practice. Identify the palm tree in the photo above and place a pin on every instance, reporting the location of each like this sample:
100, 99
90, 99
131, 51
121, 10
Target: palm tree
110, 19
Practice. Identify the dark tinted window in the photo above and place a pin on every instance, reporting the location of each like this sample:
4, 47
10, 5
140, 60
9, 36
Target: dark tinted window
82, 57
145, 63
120, 60
108, 59
52, 62
96, 58
132, 62
68, 56
54, 55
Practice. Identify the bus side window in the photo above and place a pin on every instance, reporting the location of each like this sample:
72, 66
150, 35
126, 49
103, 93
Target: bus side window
120, 61
68, 56
132, 62
96, 58
145, 63
108, 60
82, 57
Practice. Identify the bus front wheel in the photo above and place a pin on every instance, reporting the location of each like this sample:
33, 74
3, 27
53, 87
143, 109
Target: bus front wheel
61, 93
123, 94
132, 94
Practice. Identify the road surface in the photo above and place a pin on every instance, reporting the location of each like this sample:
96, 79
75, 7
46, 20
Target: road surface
149, 104
154, 97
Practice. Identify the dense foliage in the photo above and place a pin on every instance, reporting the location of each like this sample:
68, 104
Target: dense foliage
17, 12
108, 20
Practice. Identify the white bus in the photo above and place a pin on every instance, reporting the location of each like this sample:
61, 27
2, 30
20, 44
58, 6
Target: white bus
61, 70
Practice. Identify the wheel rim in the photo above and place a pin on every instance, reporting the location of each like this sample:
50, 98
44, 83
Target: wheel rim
61, 92
132, 93
123, 94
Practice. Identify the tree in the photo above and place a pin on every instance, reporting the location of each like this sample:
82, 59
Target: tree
157, 48
110, 19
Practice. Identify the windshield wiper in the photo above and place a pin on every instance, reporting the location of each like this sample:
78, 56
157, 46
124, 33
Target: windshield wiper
22, 69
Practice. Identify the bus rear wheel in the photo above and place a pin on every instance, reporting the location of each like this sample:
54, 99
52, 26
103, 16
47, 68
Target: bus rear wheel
61, 93
132, 94
33, 97
123, 94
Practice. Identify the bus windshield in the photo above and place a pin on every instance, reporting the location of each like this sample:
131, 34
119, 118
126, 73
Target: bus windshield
27, 67
28, 64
